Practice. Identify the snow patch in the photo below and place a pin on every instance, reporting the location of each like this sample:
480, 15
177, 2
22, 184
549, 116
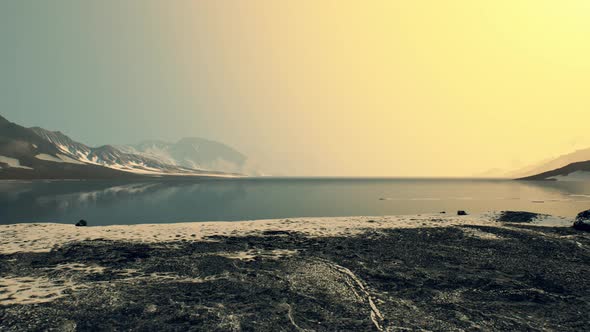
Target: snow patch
47, 157
33, 290
67, 159
59, 159
12, 162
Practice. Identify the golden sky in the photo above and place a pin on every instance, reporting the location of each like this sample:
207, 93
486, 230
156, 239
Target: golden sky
374, 88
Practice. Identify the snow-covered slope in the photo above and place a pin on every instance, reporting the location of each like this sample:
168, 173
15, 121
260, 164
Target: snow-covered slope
112, 157
26, 155
63, 142
196, 153
37, 153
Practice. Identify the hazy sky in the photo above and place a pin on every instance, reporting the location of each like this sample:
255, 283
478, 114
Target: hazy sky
397, 88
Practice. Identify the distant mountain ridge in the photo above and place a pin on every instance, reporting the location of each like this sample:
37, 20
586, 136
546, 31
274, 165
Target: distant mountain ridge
558, 165
552, 164
40, 153
26, 155
579, 171
110, 156
194, 152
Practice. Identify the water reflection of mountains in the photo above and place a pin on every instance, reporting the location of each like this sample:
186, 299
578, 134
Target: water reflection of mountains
116, 202
21, 201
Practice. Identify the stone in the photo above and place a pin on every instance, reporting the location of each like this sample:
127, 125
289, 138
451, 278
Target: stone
582, 222
518, 216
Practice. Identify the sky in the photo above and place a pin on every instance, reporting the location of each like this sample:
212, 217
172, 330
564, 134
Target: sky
309, 87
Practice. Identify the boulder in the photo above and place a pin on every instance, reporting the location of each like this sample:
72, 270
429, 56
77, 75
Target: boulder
82, 223
518, 216
582, 222
461, 213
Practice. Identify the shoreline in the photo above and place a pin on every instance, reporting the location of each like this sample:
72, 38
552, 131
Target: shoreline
42, 237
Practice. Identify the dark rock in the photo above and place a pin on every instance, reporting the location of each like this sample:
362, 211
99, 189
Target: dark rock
582, 222
82, 223
461, 213
582, 225
517, 216
584, 215
276, 233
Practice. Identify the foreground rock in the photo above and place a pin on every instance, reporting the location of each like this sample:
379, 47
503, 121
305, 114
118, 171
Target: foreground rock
81, 223
518, 216
522, 278
582, 222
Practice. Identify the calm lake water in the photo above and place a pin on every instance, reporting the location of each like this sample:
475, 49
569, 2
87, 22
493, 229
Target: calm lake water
107, 203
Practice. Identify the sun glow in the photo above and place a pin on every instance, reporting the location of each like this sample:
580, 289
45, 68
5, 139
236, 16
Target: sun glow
396, 82
318, 87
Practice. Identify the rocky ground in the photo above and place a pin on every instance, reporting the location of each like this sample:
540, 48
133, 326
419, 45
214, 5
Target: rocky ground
509, 277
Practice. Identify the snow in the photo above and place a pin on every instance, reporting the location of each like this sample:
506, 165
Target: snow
154, 152
144, 170
59, 159
67, 159
43, 237
575, 176
47, 157
125, 161
12, 162
63, 147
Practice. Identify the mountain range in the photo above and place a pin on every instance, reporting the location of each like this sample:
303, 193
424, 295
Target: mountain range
194, 153
574, 166
37, 153
578, 171
555, 164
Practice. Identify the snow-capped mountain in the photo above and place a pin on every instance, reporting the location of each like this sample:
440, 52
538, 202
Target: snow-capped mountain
63, 142
40, 153
195, 153
105, 155
26, 155
112, 157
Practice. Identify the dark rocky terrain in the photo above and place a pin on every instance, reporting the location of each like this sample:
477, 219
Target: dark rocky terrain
519, 216
471, 278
